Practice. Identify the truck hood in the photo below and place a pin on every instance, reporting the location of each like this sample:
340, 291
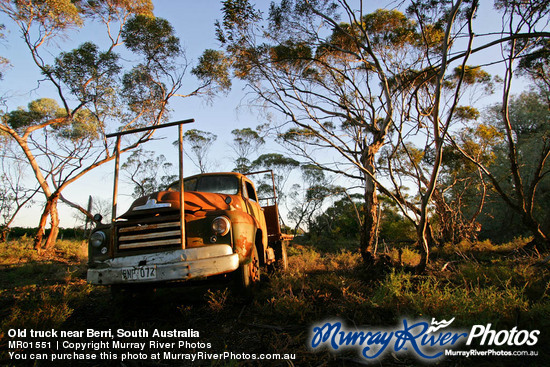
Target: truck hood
169, 202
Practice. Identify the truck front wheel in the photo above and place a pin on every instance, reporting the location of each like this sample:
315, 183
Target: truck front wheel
250, 272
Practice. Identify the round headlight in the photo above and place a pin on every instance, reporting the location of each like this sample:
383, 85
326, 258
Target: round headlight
221, 226
97, 239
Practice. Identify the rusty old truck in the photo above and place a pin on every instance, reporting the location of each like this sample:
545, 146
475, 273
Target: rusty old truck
221, 229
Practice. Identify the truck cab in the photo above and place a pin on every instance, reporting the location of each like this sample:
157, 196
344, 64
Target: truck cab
225, 230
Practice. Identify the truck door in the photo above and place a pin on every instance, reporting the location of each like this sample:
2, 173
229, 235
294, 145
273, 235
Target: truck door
254, 208
252, 205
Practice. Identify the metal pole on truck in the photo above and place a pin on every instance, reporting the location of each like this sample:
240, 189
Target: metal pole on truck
117, 168
182, 201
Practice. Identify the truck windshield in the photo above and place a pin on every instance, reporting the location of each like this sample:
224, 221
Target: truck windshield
222, 184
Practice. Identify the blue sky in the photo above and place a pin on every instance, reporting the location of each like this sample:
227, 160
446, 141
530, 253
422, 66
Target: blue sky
194, 24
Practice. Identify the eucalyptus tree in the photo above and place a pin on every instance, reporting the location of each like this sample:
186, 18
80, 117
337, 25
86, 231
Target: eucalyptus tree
14, 191
335, 72
246, 141
420, 157
200, 143
524, 35
347, 82
147, 172
281, 166
307, 199
328, 78
95, 90
529, 119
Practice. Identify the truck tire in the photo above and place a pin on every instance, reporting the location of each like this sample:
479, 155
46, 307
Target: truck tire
249, 273
281, 258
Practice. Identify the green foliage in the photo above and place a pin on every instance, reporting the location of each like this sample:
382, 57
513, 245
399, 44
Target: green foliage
529, 116
88, 72
467, 113
82, 125
38, 111
198, 137
213, 67
338, 221
141, 92
300, 135
107, 8
246, 136
535, 64
386, 30
153, 38
414, 296
52, 15
275, 161
390, 28
394, 228
144, 88
473, 76
291, 54
236, 14
312, 173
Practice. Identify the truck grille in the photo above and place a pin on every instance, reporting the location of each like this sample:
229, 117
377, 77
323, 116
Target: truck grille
149, 235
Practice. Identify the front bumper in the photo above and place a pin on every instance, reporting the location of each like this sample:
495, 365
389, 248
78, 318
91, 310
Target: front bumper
197, 262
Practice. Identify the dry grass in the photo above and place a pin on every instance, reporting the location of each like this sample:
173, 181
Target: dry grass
40, 291
476, 283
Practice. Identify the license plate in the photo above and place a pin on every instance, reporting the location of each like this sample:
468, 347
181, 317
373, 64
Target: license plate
139, 273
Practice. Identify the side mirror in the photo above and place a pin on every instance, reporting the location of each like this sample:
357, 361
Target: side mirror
97, 218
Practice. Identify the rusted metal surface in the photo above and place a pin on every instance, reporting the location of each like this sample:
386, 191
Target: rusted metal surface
144, 235
287, 237
148, 236
180, 186
243, 246
194, 201
272, 220
115, 196
135, 245
148, 227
